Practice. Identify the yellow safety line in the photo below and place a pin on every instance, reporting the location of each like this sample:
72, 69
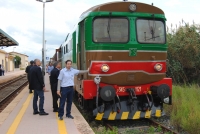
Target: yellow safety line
18, 118
61, 125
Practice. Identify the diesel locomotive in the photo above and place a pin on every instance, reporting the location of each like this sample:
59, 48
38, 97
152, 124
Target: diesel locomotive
123, 44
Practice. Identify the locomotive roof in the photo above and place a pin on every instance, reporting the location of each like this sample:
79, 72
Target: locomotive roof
124, 7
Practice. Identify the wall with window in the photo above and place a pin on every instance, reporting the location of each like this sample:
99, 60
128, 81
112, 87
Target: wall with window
2, 58
24, 59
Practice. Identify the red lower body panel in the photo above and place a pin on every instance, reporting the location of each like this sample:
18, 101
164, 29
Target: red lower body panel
90, 88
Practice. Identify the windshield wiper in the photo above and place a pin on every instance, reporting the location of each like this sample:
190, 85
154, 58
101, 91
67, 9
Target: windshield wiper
108, 27
152, 28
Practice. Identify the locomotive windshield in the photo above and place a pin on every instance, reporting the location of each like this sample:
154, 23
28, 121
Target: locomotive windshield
110, 30
150, 31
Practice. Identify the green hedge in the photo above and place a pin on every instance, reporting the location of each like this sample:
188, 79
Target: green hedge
183, 64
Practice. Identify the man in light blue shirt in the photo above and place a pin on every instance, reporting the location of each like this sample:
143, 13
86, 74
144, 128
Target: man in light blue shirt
50, 68
65, 88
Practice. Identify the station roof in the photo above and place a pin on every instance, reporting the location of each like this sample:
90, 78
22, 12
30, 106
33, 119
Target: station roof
6, 40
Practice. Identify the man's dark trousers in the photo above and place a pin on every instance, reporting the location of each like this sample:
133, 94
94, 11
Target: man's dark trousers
40, 94
55, 96
66, 92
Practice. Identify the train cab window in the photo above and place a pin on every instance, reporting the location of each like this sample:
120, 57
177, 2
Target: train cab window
111, 30
150, 31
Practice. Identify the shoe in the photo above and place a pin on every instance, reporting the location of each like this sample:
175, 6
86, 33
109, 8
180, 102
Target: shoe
70, 116
34, 113
55, 110
43, 113
60, 118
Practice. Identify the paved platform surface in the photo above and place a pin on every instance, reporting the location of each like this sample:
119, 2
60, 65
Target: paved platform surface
18, 117
11, 75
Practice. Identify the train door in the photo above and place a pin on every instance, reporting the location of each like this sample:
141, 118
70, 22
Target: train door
82, 46
80, 57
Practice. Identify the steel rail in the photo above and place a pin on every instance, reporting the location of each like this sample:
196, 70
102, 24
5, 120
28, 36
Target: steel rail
164, 128
3, 85
152, 122
5, 100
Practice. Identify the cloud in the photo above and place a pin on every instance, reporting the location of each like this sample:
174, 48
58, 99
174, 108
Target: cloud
172, 3
23, 20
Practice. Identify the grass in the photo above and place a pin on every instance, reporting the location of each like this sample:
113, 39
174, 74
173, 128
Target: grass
103, 130
185, 110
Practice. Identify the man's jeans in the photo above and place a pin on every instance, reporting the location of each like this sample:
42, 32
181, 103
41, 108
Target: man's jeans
66, 93
40, 94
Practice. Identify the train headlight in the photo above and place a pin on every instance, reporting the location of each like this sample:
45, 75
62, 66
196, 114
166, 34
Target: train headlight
105, 68
158, 67
132, 7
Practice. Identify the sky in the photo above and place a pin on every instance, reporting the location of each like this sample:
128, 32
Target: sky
23, 20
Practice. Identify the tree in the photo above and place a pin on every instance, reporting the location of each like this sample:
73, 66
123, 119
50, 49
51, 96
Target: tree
184, 53
17, 60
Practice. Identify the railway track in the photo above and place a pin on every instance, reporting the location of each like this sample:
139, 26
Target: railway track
164, 128
3, 85
141, 126
9, 90
150, 126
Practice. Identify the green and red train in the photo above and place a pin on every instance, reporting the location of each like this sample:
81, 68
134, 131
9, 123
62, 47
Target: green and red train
124, 46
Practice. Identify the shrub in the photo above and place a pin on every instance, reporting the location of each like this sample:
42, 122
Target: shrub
184, 53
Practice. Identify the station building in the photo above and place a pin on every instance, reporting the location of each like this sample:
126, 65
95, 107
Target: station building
24, 59
6, 59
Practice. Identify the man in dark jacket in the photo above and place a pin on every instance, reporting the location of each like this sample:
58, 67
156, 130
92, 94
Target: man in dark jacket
54, 83
28, 72
37, 83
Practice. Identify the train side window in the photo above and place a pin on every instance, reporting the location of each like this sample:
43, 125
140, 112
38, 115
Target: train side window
111, 30
150, 31
66, 47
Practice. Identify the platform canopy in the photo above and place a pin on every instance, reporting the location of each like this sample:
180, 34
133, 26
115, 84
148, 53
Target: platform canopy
6, 40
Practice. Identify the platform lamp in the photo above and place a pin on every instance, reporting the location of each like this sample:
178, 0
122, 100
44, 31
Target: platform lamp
43, 39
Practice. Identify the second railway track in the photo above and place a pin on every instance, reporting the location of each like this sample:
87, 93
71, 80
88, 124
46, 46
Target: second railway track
9, 90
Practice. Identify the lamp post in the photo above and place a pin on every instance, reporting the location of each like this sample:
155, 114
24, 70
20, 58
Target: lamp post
43, 38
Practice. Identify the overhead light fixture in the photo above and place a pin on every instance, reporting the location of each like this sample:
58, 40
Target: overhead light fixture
49, 0
45, 0
132, 7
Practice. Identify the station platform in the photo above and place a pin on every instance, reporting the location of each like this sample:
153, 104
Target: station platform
10, 75
18, 117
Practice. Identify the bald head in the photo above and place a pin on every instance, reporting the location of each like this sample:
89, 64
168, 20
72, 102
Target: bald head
37, 62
